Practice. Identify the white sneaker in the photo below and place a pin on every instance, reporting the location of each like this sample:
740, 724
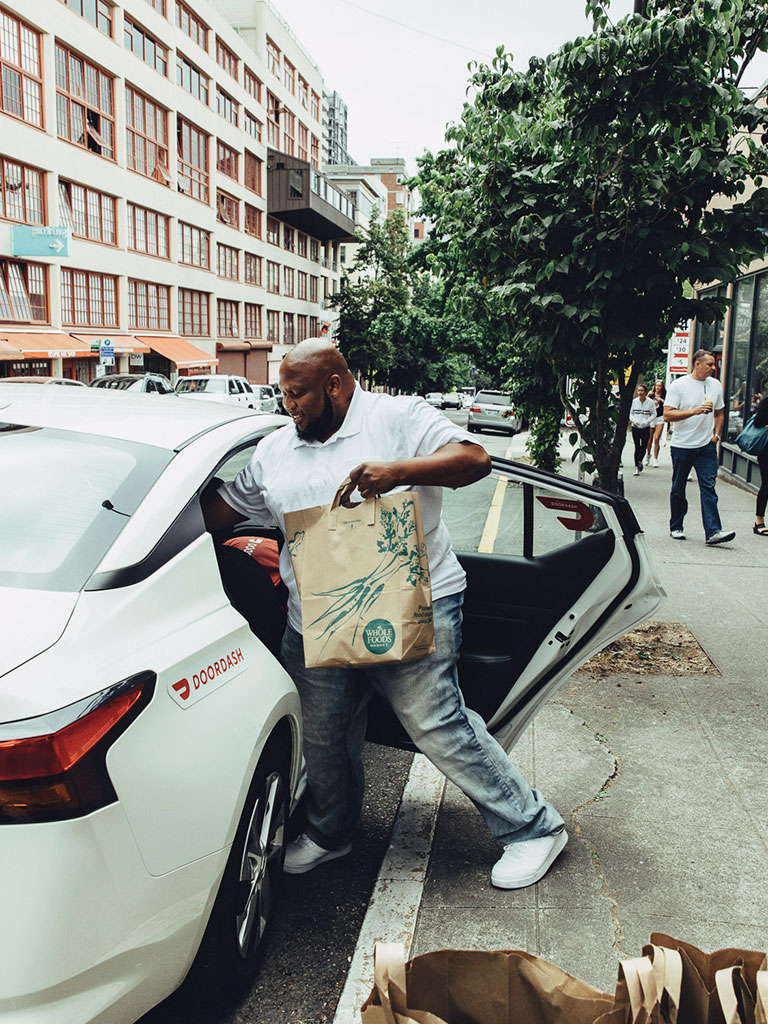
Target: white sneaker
655, 463
721, 537
677, 534
648, 459
637, 472
304, 853
526, 862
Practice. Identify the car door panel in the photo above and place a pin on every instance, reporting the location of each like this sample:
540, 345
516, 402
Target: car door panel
580, 576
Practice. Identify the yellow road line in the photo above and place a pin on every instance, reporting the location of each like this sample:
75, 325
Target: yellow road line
493, 519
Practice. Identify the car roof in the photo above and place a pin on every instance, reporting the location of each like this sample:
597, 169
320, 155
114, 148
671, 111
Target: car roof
127, 416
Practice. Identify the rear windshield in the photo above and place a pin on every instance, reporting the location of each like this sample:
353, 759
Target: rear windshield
117, 383
488, 398
54, 525
209, 384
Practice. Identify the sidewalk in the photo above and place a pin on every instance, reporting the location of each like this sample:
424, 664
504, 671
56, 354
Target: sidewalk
661, 780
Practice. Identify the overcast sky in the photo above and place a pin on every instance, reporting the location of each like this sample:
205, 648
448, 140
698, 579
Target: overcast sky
401, 65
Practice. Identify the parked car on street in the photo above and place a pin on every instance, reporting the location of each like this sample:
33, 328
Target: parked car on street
150, 742
492, 410
42, 380
435, 398
451, 400
149, 383
230, 388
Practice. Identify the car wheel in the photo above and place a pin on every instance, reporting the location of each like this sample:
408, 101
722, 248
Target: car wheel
234, 941
473, 429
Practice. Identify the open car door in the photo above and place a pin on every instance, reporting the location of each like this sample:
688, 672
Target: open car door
556, 570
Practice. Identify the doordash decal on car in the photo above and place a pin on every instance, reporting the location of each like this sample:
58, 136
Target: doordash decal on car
585, 517
207, 676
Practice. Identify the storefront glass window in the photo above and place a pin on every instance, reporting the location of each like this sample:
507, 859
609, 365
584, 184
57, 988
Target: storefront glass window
739, 356
759, 378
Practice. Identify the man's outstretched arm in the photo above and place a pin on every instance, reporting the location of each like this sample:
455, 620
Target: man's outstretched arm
454, 465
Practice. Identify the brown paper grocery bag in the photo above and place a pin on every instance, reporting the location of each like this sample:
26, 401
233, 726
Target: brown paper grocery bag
454, 986
362, 574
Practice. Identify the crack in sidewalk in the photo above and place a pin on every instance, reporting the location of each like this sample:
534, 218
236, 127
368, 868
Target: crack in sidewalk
618, 931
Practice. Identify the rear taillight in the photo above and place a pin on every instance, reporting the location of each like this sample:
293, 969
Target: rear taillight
54, 767
474, 408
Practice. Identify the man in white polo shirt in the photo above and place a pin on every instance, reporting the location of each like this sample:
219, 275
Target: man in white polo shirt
694, 403
383, 444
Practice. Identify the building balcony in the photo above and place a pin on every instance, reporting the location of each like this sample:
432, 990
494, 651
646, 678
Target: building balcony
299, 195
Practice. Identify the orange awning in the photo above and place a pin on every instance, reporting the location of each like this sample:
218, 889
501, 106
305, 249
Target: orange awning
233, 346
123, 344
179, 351
46, 346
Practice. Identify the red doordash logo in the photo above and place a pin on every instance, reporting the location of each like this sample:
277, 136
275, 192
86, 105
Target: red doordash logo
584, 515
208, 677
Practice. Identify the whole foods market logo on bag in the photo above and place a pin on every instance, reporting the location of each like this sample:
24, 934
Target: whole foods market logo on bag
379, 636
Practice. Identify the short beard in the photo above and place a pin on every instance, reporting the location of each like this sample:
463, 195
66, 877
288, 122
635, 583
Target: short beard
320, 426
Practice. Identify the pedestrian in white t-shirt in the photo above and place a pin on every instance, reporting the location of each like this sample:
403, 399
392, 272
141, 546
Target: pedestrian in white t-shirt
642, 414
694, 403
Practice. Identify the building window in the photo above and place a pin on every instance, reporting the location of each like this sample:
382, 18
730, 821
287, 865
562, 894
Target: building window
314, 326
148, 231
273, 277
301, 327
273, 57
22, 192
147, 136
252, 84
228, 210
193, 160
301, 244
21, 71
158, 5
273, 230
289, 238
88, 299
314, 107
252, 221
226, 107
301, 285
194, 246
273, 121
85, 113
226, 59
192, 79
288, 279
314, 250
303, 153
313, 288
90, 214
23, 292
252, 125
289, 122
193, 312
252, 320
273, 326
227, 262
303, 93
289, 337
145, 46
253, 172
315, 152
226, 319
149, 306
226, 159
252, 269
289, 76
97, 12
188, 22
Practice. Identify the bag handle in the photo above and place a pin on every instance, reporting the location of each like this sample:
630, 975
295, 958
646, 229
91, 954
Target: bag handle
341, 497
761, 1009
389, 978
639, 981
668, 971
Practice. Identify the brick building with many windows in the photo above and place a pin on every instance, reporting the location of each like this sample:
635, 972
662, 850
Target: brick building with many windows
136, 200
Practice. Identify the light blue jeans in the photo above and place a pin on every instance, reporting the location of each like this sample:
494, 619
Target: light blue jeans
425, 696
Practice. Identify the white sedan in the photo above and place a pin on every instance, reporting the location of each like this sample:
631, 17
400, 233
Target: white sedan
150, 741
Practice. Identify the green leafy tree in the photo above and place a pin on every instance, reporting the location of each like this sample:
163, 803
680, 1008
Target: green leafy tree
587, 190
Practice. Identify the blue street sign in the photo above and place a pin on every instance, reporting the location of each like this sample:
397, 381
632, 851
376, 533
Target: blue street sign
53, 242
107, 352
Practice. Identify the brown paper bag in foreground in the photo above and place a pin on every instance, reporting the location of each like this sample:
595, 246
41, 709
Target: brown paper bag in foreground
362, 573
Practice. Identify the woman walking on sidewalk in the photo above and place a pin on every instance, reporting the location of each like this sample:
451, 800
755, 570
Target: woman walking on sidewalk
641, 414
761, 420
657, 425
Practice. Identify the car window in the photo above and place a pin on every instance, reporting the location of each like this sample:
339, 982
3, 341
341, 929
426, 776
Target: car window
54, 525
518, 519
489, 398
233, 387
150, 385
246, 386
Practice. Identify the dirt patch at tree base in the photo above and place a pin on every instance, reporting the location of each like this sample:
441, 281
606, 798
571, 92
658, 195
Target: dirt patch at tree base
653, 649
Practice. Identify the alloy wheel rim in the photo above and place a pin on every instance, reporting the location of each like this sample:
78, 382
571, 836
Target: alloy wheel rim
261, 864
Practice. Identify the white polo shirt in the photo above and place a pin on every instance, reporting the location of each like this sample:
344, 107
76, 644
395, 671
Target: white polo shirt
688, 393
286, 474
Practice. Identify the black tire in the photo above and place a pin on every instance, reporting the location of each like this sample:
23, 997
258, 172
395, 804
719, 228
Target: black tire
473, 429
234, 940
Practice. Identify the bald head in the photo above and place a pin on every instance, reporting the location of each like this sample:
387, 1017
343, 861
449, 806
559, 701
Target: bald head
317, 357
